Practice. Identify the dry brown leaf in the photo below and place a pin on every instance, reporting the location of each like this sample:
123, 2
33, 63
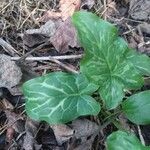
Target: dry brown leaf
67, 8
48, 29
9, 134
84, 128
62, 133
31, 40
64, 37
10, 73
34, 37
31, 128
14, 125
84, 132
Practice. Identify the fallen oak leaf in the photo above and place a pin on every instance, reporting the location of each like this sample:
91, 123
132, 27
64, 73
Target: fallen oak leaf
64, 37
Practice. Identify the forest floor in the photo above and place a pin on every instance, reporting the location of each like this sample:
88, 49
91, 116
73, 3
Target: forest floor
30, 32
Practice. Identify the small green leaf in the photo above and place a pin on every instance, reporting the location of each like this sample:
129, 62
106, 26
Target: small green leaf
105, 62
137, 108
120, 140
140, 61
59, 97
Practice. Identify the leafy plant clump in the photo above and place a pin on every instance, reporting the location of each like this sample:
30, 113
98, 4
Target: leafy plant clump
109, 67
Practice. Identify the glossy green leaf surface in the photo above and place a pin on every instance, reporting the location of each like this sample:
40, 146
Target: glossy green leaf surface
105, 62
137, 108
120, 140
140, 61
59, 97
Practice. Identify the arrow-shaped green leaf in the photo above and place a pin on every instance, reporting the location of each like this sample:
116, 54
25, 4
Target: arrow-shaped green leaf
59, 97
120, 140
105, 62
140, 61
137, 108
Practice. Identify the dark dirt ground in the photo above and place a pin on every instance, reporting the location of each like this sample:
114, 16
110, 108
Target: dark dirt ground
17, 131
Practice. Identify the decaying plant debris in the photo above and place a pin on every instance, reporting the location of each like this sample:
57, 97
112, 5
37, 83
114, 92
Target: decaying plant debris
22, 35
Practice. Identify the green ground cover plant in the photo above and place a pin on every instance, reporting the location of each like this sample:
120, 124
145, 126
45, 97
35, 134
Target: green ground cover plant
109, 67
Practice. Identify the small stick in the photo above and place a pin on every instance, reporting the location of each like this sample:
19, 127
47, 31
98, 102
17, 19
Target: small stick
8, 48
33, 50
64, 66
54, 59
50, 58
140, 135
105, 9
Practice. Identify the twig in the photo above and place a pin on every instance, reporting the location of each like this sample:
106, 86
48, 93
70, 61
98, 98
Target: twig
6, 6
105, 9
17, 139
35, 49
53, 59
64, 66
140, 135
4, 128
8, 48
50, 57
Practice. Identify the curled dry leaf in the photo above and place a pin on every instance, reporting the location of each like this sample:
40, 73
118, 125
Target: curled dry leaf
64, 37
10, 73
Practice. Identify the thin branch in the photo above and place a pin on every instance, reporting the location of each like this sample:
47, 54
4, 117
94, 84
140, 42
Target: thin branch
49, 58
33, 50
140, 135
8, 48
54, 59
64, 66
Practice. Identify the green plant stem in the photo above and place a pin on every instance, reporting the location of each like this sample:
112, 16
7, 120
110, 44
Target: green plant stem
105, 124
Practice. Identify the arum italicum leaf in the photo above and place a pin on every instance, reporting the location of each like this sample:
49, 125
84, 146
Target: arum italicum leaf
120, 140
140, 62
60, 97
137, 108
107, 61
